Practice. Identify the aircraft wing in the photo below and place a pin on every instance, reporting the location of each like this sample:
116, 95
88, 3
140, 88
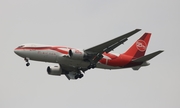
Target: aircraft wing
108, 46
95, 54
112, 44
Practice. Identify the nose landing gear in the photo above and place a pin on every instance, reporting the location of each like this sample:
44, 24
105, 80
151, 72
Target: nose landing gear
27, 64
27, 61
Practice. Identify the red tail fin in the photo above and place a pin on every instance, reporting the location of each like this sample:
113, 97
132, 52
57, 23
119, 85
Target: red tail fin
138, 49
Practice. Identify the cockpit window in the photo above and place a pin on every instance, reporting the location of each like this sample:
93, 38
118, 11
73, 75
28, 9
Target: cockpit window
21, 46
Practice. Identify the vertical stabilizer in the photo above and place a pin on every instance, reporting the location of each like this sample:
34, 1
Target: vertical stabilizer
138, 49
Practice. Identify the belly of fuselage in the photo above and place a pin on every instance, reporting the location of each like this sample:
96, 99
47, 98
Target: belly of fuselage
55, 57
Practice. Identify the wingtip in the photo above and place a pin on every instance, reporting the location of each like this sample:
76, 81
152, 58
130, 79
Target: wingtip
138, 29
161, 51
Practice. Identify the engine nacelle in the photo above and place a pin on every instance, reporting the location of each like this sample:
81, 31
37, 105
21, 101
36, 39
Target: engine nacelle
77, 54
54, 70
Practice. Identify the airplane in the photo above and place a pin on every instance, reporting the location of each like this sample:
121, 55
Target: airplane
74, 62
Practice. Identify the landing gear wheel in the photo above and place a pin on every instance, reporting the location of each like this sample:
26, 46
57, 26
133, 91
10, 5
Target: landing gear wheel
27, 64
93, 66
81, 75
27, 61
77, 76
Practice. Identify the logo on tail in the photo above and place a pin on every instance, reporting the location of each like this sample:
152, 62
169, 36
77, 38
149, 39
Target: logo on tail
141, 45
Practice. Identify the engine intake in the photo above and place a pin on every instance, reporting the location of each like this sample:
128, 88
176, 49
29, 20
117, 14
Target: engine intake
54, 70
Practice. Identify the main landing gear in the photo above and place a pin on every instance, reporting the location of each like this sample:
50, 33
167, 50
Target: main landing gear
81, 71
27, 61
80, 75
92, 66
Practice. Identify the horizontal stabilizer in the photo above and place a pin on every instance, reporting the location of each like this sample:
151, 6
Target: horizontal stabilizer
147, 57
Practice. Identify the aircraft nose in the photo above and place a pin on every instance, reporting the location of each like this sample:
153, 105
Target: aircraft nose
19, 51
16, 51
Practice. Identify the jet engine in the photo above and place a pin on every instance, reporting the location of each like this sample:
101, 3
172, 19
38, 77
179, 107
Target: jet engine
77, 54
54, 70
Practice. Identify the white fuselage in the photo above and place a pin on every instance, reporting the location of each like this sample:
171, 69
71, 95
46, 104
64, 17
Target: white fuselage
41, 53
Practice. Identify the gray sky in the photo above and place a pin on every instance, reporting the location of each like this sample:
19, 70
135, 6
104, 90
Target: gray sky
83, 24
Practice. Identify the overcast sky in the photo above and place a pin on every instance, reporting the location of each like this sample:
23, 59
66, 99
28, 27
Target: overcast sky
83, 24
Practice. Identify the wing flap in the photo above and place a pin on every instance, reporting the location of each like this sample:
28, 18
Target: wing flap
136, 67
71, 75
110, 48
71, 71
